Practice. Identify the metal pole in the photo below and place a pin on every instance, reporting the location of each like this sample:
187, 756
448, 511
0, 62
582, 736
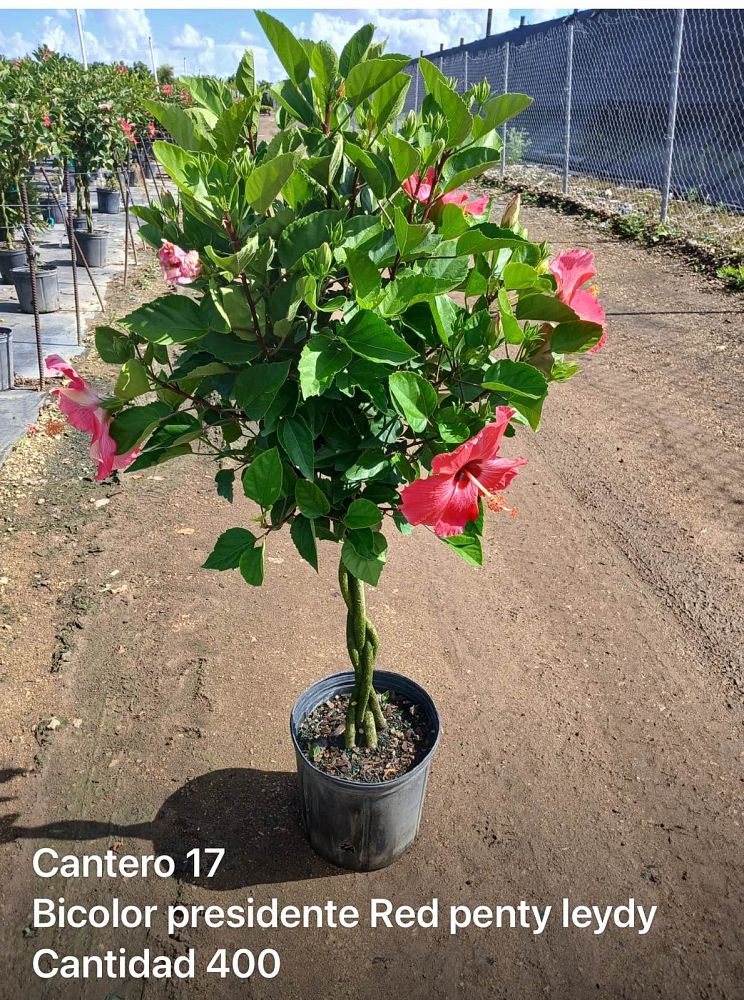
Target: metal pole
152, 58
506, 91
73, 252
416, 89
81, 36
489, 19
672, 116
31, 258
465, 68
569, 89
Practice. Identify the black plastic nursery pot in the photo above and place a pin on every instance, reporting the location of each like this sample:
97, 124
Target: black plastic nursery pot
55, 211
109, 202
133, 178
79, 223
349, 823
93, 247
47, 288
9, 260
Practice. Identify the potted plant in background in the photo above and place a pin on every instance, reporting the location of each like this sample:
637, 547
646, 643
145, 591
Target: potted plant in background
360, 346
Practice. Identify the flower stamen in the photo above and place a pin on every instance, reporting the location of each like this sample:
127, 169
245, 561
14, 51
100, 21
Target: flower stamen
494, 501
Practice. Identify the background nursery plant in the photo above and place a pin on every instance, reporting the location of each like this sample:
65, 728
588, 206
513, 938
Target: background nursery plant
353, 319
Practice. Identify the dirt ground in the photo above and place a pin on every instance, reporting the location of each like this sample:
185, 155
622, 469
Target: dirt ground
589, 680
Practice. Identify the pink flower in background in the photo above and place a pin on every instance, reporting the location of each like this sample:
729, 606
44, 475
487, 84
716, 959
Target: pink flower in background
151, 130
419, 188
167, 89
571, 270
179, 267
128, 129
46, 120
121, 70
448, 499
81, 404
475, 207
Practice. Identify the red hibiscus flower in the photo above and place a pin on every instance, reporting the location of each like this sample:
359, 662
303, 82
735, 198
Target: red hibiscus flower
167, 89
419, 188
448, 498
81, 404
46, 121
475, 207
572, 269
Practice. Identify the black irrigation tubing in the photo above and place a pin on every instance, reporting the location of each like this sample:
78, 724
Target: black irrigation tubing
74, 240
30, 255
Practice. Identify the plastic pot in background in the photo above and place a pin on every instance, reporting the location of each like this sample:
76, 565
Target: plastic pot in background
47, 288
6, 358
93, 247
349, 823
10, 259
53, 211
80, 224
109, 202
133, 178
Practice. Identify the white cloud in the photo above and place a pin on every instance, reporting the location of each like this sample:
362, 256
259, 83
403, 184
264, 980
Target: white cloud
122, 35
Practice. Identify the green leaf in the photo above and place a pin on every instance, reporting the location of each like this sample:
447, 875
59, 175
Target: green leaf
232, 350
366, 77
228, 130
576, 337
517, 275
455, 109
414, 398
256, 387
292, 100
524, 386
266, 180
184, 168
409, 236
470, 163
369, 464
364, 553
365, 277
369, 336
228, 549
306, 233
406, 158
389, 100
444, 311
468, 547
132, 380
435, 278
224, 481
178, 124
302, 533
498, 110
251, 565
355, 49
113, 346
171, 319
262, 480
311, 500
324, 63
545, 308
362, 514
297, 440
245, 76
321, 358
513, 332
290, 52
130, 427
368, 168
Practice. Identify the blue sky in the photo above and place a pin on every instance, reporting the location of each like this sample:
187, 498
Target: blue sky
212, 41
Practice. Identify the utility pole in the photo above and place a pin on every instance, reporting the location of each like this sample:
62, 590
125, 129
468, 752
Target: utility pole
81, 36
152, 58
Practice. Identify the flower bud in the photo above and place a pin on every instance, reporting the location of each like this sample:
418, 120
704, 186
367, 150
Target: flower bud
511, 213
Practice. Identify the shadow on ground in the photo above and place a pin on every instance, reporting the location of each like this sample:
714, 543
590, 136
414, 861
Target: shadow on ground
252, 814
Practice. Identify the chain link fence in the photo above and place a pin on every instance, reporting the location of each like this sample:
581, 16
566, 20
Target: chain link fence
639, 113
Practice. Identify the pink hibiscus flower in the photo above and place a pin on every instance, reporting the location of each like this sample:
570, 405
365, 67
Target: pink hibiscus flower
81, 404
448, 498
46, 121
167, 89
419, 188
572, 269
179, 267
475, 207
128, 130
151, 130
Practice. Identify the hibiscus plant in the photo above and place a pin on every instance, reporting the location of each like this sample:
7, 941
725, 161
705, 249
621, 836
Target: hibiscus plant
357, 343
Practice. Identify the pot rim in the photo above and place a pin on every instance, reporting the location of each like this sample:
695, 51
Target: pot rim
40, 269
98, 233
10, 250
346, 676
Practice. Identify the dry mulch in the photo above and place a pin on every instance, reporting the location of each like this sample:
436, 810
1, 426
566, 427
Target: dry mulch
407, 740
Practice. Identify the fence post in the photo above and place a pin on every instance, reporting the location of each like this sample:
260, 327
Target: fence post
506, 91
672, 115
569, 89
465, 89
415, 92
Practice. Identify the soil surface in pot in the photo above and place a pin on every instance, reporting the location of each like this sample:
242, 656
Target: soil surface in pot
406, 741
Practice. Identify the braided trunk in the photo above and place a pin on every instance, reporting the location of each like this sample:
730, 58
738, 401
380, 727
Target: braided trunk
364, 716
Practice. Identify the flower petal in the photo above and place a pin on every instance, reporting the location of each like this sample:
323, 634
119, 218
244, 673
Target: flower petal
485, 444
496, 473
587, 307
440, 502
571, 268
